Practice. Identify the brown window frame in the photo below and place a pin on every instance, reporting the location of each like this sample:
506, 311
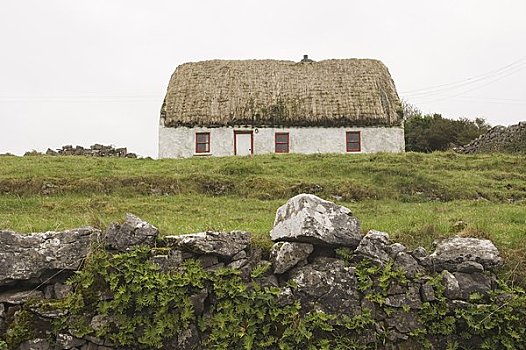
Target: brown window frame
276, 143
207, 143
348, 143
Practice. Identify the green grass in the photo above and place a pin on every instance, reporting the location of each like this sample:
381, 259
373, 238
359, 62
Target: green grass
417, 198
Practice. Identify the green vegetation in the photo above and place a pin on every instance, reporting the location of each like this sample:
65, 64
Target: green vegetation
432, 132
415, 197
150, 306
147, 305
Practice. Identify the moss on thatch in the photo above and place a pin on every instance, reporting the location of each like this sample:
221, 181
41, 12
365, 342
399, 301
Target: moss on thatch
349, 92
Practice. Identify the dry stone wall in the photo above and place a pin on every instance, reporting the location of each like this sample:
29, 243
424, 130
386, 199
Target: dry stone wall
498, 139
321, 261
96, 150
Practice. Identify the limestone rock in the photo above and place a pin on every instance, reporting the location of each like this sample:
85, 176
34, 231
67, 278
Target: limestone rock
67, 341
420, 254
20, 297
34, 257
170, 261
470, 283
238, 264
376, 246
285, 255
403, 322
187, 339
328, 284
470, 266
35, 344
427, 292
451, 253
410, 298
209, 260
408, 264
198, 301
132, 232
452, 288
224, 245
310, 219
99, 322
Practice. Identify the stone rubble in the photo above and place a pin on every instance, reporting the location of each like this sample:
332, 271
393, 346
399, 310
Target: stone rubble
498, 139
96, 150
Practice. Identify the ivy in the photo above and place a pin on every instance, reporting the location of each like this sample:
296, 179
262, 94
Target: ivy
498, 319
141, 307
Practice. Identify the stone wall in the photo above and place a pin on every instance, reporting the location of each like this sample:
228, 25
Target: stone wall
498, 139
320, 261
96, 150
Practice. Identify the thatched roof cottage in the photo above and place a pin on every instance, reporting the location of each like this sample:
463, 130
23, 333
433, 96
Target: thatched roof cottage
222, 108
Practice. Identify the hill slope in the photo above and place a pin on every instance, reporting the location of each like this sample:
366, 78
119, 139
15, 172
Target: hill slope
417, 198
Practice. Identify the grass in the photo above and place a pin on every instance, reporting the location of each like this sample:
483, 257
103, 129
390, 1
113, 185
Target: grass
417, 198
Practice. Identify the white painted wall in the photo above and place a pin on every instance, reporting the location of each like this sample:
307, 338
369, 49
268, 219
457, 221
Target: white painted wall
180, 142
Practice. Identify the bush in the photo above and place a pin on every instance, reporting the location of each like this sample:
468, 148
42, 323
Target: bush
432, 132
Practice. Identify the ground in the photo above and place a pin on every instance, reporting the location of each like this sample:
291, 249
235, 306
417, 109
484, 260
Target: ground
415, 197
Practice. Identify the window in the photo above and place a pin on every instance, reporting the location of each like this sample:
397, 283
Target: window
282, 142
202, 142
353, 141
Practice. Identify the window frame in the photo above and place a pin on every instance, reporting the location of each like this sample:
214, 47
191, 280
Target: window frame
348, 143
276, 143
207, 143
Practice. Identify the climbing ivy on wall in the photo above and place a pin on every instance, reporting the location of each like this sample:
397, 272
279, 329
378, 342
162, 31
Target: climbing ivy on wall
140, 306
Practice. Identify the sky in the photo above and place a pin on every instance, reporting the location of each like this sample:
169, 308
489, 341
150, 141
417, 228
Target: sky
84, 72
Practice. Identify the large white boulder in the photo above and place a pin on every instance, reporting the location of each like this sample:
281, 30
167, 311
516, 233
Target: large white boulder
309, 219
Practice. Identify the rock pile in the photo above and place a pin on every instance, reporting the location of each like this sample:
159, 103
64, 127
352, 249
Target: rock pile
498, 139
96, 150
315, 260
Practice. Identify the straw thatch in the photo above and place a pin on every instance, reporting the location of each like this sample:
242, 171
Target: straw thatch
349, 92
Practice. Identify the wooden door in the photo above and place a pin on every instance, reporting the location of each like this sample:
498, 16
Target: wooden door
243, 142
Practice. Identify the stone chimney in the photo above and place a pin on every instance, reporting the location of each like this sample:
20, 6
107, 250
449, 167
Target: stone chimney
306, 59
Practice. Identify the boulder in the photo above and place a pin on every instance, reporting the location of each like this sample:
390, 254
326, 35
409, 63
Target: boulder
221, 244
452, 254
285, 255
35, 257
132, 232
309, 219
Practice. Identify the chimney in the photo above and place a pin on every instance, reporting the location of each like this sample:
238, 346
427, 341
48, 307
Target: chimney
306, 59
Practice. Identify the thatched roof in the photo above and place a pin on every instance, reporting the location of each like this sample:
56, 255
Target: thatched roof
349, 92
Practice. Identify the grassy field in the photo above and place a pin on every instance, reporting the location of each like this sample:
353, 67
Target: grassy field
417, 198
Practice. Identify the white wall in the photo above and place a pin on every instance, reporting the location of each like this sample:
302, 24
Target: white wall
180, 142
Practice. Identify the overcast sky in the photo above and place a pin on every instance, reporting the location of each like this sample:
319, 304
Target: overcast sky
84, 72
